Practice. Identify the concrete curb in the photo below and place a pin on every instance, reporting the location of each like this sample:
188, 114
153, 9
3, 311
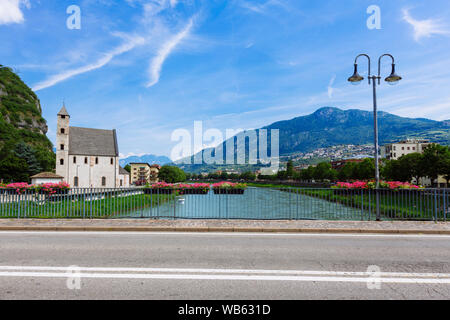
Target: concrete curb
224, 229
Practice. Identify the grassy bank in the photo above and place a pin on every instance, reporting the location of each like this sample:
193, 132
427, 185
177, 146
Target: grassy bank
414, 205
79, 207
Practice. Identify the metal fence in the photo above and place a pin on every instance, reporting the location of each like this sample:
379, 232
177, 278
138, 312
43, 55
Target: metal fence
254, 203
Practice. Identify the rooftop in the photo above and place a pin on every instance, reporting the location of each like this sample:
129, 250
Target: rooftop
93, 142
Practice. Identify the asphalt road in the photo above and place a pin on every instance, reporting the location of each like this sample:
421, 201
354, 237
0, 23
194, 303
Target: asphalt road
108, 265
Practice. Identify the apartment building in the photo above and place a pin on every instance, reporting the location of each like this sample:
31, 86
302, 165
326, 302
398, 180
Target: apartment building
142, 173
395, 150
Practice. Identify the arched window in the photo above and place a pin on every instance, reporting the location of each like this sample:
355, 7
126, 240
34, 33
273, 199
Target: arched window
74, 159
85, 160
103, 181
61, 161
62, 130
112, 161
96, 160
75, 181
62, 147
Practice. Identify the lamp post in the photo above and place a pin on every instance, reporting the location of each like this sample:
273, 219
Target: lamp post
392, 79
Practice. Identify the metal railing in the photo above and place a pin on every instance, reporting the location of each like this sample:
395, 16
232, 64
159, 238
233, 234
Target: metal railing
254, 203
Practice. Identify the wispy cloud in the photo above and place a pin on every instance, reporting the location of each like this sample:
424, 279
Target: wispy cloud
131, 43
10, 11
263, 8
158, 61
330, 87
425, 28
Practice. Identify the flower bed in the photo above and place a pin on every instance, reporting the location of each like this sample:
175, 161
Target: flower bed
388, 185
19, 188
159, 188
53, 188
229, 188
25, 188
195, 188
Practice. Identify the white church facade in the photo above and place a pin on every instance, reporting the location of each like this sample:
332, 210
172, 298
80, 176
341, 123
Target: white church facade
88, 158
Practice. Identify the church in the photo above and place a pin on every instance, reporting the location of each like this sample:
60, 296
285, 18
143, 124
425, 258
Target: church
88, 158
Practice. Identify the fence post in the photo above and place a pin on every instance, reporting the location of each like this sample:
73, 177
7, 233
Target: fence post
377, 204
435, 205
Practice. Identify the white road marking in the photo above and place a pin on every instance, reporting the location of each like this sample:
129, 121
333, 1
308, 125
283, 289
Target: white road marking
225, 274
227, 271
227, 234
225, 277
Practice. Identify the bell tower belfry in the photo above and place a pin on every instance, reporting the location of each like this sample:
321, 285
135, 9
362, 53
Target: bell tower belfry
62, 143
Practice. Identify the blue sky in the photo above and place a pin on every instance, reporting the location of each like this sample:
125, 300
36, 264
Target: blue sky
147, 67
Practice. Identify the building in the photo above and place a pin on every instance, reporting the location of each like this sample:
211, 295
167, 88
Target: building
395, 150
87, 158
339, 164
142, 173
46, 177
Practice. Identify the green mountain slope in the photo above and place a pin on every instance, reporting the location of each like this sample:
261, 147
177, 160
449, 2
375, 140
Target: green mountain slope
24, 147
332, 126
329, 126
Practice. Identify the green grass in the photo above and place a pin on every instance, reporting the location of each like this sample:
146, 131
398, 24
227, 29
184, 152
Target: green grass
418, 205
109, 207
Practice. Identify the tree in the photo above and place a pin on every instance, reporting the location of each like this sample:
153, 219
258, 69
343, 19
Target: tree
224, 176
248, 176
446, 171
364, 170
289, 169
347, 172
322, 171
128, 168
171, 174
434, 160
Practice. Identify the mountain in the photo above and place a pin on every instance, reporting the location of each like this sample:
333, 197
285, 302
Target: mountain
24, 147
330, 126
148, 158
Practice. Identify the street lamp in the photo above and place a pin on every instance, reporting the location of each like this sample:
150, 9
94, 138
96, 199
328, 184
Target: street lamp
392, 79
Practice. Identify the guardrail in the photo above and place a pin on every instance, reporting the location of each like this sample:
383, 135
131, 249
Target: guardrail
254, 203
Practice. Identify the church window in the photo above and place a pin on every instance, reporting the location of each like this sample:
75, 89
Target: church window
63, 116
74, 159
112, 160
62, 147
96, 160
61, 161
62, 130
103, 181
75, 181
85, 160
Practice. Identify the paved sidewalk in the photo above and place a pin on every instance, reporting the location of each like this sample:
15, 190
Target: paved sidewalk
387, 227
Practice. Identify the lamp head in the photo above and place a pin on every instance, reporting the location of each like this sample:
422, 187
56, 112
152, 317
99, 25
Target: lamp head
393, 78
355, 78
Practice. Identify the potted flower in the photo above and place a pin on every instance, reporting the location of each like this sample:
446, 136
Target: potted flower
370, 185
159, 188
225, 187
195, 188
18, 187
54, 188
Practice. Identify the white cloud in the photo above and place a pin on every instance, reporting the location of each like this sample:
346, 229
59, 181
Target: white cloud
425, 28
10, 11
330, 87
131, 43
158, 61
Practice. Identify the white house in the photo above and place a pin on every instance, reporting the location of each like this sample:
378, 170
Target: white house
46, 177
88, 158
